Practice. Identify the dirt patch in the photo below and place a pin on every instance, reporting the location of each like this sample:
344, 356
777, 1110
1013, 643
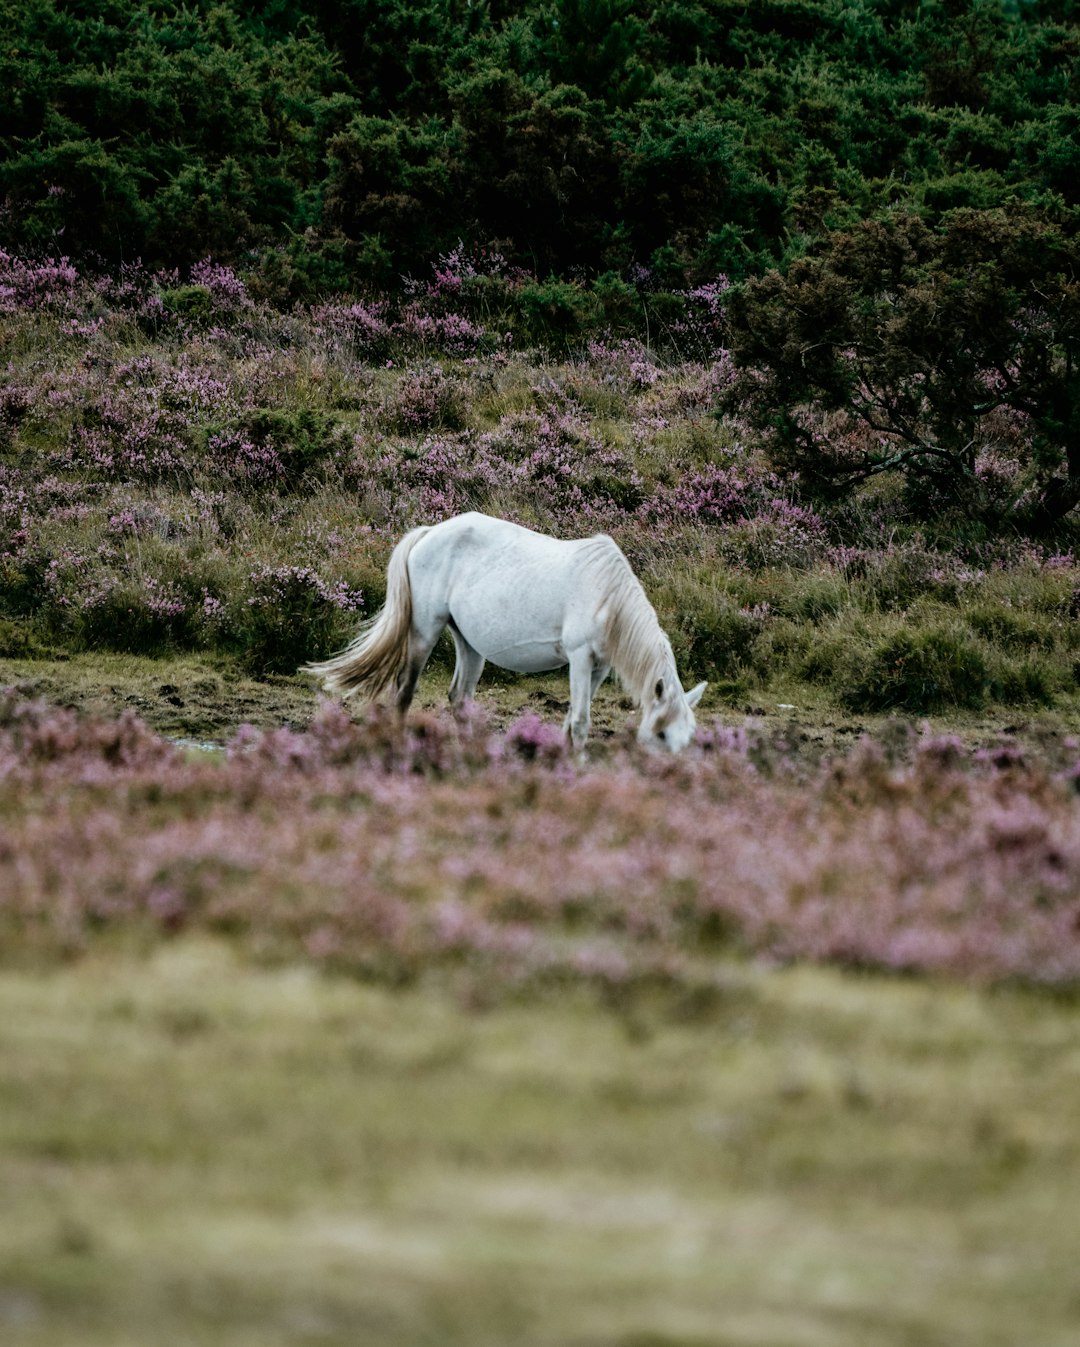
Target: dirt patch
190, 697
206, 698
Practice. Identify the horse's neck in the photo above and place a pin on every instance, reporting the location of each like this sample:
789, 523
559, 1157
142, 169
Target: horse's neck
661, 667
636, 646
644, 655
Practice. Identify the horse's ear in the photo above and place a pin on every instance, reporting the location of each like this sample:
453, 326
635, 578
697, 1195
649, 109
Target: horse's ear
658, 692
694, 695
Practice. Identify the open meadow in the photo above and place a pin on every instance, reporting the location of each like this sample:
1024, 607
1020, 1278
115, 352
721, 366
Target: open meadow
315, 1029
340, 1034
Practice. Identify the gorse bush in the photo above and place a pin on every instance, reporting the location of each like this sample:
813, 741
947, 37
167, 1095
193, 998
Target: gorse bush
271, 445
646, 147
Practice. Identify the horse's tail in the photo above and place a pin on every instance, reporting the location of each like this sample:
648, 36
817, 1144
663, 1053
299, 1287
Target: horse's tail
374, 658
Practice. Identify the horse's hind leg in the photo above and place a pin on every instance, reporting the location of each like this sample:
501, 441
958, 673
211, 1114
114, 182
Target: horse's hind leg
468, 667
421, 644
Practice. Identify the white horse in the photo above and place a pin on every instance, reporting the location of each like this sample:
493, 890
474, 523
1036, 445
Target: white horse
526, 602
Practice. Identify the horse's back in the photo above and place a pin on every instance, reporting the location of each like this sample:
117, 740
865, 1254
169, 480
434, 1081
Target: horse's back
481, 545
484, 532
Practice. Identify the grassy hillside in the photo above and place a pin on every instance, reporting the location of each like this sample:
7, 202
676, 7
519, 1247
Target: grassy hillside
186, 469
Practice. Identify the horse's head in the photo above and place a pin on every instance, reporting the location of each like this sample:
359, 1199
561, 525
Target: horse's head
667, 718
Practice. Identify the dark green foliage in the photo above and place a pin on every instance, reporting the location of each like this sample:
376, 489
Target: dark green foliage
917, 335
22, 581
167, 133
557, 311
193, 303
18, 641
355, 141
900, 576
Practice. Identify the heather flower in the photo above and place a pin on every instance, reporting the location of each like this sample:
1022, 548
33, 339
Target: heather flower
394, 851
534, 739
224, 286
453, 332
275, 584
212, 607
238, 457
49, 284
426, 399
358, 328
699, 333
627, 365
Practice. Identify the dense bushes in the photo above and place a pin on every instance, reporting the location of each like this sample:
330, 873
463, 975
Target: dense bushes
351, 141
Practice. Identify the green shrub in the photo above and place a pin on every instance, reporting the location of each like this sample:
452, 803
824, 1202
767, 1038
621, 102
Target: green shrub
717, 640
619, 303
18, 640
784, 647
193, 303
828, 656
918, 671
557, 313
22, 581
289, 617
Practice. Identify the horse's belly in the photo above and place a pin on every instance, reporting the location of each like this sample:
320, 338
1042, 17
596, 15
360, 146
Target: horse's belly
514, 645
511, 624
525, 656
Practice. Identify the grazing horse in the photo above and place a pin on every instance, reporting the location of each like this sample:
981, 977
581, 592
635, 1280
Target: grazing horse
526, 602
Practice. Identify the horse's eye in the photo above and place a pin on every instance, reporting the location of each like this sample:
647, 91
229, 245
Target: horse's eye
662, 736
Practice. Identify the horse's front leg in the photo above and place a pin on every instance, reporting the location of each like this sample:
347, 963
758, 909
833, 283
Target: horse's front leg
583, 683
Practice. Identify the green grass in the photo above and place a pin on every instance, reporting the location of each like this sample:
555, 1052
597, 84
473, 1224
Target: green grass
199, 696
194, 1150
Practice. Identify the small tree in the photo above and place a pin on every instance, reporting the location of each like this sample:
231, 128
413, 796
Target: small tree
917, 337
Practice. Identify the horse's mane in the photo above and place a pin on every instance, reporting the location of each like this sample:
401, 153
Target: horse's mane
636, 646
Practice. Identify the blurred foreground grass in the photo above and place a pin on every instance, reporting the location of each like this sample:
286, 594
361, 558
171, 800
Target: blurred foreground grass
197, 1151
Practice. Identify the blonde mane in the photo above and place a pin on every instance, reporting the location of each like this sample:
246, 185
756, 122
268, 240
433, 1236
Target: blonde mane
633, 641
